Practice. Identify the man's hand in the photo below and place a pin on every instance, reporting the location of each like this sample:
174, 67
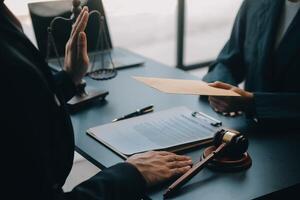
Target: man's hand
158, 166
230, 106
76, 56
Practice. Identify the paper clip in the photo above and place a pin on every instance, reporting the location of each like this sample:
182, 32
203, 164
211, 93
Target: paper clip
209, 119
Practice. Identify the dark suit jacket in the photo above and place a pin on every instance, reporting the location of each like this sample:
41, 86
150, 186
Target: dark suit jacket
272, 74
37, 141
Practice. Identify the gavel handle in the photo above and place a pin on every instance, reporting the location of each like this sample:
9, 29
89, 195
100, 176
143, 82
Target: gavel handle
193, 171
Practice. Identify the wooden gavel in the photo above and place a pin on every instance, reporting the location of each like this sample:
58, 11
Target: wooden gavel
229, 143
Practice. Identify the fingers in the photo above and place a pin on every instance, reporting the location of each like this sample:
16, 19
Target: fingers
227, 106
219, 105
81, 25
234, 114
172, 158
174, 161
222, 106
219, 101
229, 114
82, 45
240, 113
79, 18
218, 108
226, 86
180, 171
180, 164
221, 85
158, 166
164, 153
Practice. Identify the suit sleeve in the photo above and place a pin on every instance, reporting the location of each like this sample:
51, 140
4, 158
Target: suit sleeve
28, 132
277, 106
30, 138
229, 66
122, 181
65, 84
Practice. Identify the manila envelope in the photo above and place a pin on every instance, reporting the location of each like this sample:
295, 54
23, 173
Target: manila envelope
181, 86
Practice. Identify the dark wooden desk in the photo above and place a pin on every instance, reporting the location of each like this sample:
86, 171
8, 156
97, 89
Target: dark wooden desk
275, 156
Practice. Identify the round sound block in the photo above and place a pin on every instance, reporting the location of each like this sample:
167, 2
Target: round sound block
226, 164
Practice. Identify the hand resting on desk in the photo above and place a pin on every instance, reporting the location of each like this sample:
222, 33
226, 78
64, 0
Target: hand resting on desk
158, 166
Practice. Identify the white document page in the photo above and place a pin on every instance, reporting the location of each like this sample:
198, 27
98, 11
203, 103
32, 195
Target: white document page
160, 130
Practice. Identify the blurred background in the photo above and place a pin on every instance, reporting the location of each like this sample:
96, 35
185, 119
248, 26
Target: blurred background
149, 28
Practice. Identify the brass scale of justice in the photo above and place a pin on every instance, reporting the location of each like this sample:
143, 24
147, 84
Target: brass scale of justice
229, 150
100, 71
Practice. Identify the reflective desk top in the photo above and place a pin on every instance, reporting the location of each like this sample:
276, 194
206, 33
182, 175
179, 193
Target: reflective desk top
275, 156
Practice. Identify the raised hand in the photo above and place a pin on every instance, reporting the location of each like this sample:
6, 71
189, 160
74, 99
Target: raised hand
76, 56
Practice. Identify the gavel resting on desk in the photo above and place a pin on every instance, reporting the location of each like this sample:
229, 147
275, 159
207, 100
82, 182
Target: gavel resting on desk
228, 153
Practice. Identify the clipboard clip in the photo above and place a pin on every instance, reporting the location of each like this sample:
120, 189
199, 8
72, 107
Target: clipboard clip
212, 121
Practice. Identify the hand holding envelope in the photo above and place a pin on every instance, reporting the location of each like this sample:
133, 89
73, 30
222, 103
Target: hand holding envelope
223, 98
189, 87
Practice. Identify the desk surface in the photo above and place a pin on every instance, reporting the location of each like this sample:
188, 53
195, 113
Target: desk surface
275, 156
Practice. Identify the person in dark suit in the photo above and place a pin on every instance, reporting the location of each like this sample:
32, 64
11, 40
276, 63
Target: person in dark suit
36, 132
264, 51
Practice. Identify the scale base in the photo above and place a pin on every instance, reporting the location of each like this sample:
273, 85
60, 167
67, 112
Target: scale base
90, 95
226, 164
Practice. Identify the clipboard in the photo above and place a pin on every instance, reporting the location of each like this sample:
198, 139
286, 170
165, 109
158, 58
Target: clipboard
131, 136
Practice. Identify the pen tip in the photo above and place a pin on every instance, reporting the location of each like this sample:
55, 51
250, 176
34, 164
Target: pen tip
167, 193
114, 120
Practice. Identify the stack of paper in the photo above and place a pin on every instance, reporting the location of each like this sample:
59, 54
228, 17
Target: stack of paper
157, 131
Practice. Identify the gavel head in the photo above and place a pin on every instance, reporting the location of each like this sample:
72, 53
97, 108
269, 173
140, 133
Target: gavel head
236, 143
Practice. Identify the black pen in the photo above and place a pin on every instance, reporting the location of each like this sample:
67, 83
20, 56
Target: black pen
136, 113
